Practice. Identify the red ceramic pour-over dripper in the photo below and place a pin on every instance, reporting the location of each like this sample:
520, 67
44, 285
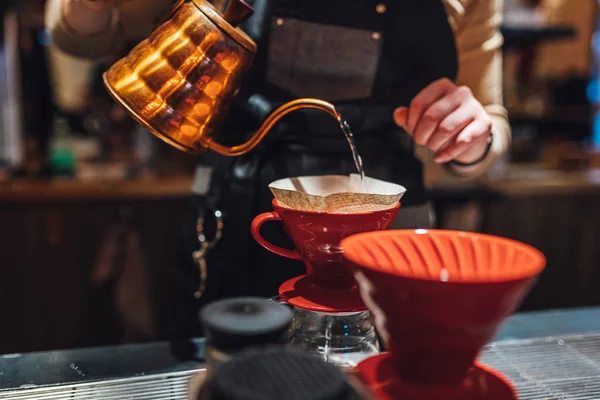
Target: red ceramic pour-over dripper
329, 285
437, 298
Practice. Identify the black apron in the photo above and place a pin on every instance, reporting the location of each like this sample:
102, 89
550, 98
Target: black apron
367, 57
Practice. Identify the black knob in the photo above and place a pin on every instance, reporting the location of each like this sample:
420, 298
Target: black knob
278, 373
234, 324
259, 107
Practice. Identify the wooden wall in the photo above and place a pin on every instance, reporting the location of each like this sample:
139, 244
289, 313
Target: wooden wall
47, 252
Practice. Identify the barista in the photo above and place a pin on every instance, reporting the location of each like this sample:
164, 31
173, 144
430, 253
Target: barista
406, 74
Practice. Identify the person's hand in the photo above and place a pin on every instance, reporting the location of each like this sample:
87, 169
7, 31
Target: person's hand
88, 17
448, 120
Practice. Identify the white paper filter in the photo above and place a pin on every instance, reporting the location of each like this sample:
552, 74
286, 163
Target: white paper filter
336, 193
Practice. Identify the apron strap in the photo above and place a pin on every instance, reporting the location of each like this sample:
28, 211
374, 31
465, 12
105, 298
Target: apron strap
235, 195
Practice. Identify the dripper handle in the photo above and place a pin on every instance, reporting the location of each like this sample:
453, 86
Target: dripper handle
237, 12
255, 231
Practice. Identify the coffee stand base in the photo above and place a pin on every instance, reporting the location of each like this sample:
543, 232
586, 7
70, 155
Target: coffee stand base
546, 355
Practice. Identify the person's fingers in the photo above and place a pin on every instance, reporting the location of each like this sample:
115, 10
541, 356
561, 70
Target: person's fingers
430, 123
451, 126
401, 116
426, 98
474, 136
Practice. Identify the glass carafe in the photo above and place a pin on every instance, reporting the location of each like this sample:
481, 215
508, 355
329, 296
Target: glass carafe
343, 339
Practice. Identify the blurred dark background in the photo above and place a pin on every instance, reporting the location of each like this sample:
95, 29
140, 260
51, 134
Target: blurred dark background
79, 181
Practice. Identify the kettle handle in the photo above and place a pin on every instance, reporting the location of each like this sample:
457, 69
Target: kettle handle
169, 14
271, 120
237, 12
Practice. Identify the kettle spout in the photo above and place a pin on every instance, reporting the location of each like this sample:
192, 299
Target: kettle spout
271, 120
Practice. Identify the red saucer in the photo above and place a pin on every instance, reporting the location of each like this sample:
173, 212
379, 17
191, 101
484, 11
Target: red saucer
482, 383
304, 293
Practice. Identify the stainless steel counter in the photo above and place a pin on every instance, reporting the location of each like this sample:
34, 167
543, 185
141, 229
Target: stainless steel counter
565, 322
547, 355
142, 371
81, 365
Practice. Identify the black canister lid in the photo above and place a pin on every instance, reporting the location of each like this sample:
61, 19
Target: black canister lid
234, 324
276, 374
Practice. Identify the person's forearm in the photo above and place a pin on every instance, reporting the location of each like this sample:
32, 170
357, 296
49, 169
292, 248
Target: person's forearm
479, 45
84, 19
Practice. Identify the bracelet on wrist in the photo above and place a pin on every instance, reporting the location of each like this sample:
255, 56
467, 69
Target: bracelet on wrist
480, 159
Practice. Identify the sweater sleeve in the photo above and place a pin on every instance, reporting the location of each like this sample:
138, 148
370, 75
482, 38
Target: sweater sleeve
479, 43
67, 40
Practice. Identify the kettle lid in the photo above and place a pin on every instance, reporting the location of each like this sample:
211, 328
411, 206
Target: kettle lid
236, 13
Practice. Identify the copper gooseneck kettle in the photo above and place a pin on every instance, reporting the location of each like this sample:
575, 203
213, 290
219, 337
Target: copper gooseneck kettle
179, 82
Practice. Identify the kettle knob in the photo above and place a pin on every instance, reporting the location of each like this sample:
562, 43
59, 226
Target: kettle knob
237, 12
275, 373
233, 324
